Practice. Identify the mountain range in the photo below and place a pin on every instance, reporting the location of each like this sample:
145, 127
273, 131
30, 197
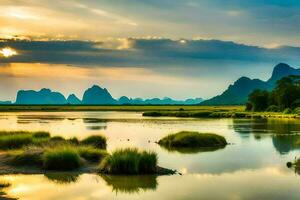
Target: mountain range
237, 93
92, 96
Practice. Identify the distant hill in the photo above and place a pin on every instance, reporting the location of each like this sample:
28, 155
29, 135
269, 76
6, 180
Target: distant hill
73, 99
97, 95
238, 92
5, 102
157, 101
44, 96
92, 96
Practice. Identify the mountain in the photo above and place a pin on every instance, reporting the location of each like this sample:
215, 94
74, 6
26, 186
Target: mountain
281, 70
5, 102
157, 101
92, 96
97, 95
72, 99
44, 96
238, 92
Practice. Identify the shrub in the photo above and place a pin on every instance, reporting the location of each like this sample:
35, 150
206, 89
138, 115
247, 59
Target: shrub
61, 158
73, 140
97, 141
152, 114
129, 161
91, 154
193, 139
41, 134
201, 114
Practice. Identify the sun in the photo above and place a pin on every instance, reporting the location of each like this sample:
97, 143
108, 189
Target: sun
8, 52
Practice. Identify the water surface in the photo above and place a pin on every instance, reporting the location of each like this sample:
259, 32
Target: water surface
253, 167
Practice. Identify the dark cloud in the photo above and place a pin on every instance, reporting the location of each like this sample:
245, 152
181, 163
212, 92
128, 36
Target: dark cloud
144, 52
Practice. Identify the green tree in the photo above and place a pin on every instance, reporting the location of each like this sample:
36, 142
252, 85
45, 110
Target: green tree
286, 92
259, 99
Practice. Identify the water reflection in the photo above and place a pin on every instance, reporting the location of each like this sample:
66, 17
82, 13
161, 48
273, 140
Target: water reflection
25, 119
193, 150
62, 177
131, 184
3, 195
284, 133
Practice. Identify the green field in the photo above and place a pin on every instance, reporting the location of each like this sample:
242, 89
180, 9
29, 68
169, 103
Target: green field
156, 111
23, 108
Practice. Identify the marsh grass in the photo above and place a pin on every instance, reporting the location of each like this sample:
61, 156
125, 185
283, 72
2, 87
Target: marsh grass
41, 134
188, 139
28, 157
41, 150
61, 158
98, 141
91, 154
19, 139
129, 161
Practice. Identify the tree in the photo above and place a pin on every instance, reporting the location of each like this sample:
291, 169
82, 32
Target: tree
259, 99
286, 92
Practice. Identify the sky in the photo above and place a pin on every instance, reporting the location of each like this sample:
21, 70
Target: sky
144, 48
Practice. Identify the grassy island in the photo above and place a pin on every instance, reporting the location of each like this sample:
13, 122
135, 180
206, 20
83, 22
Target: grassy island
38, 152
187, 141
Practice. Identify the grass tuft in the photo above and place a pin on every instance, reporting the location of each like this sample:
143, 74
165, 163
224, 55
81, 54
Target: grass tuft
97, 141
61, 158
130, 161
92, 154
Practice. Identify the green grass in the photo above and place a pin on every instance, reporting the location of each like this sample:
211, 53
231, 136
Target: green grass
188, 139
61, 158
39, 149
29, 108
91, 154
28, 157
129, 161
97, 141
41, 134
15, 139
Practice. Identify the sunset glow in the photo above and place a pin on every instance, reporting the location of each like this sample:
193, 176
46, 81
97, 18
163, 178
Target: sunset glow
8, 52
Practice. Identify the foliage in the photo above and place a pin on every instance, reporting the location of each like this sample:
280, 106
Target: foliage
286, 94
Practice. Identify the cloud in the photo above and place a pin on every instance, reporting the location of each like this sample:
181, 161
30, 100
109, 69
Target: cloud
143, 52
